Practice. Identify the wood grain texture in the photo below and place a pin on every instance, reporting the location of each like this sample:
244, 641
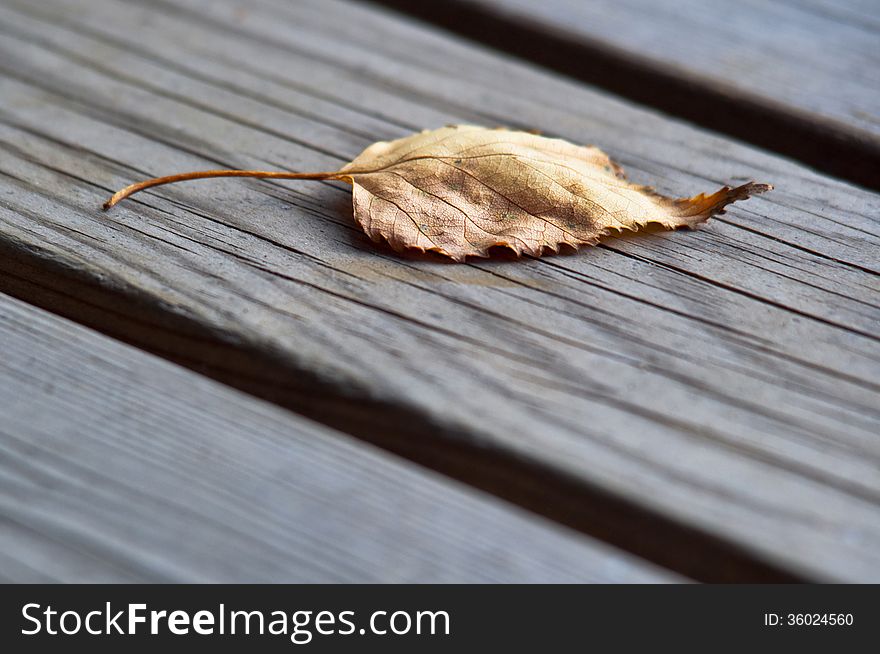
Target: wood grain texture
119, 466
708, 400
797, 76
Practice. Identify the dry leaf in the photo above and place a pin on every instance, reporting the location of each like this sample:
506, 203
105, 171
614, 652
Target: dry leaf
461, 190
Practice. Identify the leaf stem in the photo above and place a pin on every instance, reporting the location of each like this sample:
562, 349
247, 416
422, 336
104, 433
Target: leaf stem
131, 189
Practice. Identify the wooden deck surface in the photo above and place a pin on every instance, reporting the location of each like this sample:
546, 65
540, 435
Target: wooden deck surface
801, 77
118, 465
706, 400
809, 57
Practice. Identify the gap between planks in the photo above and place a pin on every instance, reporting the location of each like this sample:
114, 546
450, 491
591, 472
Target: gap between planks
566, 500
826, 144
118, 466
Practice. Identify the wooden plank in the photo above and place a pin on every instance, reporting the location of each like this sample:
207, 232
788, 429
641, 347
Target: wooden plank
801, 77
708, 400
119, 466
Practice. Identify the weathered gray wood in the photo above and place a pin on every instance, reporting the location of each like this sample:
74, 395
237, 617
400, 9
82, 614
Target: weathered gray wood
815, 59
696, 397
119, 466
799, 76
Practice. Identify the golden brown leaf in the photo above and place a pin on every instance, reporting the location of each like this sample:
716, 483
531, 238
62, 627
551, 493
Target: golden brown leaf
461, 190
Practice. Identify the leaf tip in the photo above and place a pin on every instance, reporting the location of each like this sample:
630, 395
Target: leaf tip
701, 207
